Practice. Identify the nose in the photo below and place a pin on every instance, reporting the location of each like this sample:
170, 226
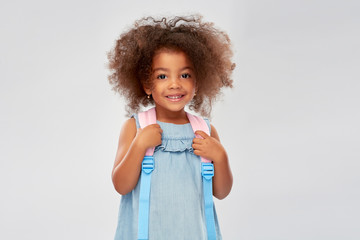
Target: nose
174, 83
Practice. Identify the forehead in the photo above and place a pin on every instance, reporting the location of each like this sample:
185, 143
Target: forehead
165, 58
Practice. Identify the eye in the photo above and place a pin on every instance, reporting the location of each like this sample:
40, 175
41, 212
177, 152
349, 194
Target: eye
185, 75
161, 76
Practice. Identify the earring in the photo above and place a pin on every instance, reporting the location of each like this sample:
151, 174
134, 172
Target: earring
148, 96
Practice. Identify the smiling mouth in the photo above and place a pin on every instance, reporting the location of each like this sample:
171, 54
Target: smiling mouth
175, 96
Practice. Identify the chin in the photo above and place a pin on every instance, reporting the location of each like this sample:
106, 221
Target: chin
173, 108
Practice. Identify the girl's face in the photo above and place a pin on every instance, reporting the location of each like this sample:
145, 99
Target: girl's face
173, 80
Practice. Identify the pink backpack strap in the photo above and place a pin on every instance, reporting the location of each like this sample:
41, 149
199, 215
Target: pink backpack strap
198, 123
147, 118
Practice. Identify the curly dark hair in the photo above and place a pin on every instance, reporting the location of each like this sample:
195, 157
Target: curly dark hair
208, 48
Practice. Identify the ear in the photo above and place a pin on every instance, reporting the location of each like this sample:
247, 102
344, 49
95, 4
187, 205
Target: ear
147, 90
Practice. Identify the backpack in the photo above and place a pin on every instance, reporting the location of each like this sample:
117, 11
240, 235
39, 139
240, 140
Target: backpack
207, 171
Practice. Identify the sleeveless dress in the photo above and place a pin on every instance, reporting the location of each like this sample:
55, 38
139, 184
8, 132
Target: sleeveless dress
176, 196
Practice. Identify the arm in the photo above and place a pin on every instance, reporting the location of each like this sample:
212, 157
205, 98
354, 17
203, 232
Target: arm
131, 150
211, 148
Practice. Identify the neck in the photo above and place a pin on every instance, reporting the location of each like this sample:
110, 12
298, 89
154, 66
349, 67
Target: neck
177, 117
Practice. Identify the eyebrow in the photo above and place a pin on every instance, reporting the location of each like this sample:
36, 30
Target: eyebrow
166, 69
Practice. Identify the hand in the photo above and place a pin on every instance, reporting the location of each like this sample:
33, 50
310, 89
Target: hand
208, 147
150, 136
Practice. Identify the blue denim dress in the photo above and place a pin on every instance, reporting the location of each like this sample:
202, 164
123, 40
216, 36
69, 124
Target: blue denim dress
176, 196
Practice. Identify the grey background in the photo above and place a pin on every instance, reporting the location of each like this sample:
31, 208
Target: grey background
290, 125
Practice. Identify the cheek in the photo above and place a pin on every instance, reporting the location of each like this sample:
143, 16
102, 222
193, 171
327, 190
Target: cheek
191, 86
157, 91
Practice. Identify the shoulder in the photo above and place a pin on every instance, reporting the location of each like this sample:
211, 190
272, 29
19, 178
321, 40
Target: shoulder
212, 129
214, 133
135, 118
128, 130
209, 125
130, 123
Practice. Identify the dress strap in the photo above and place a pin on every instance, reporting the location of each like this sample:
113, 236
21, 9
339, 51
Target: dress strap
136, 117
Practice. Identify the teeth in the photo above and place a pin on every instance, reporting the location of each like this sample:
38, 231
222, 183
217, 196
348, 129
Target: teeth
174, 97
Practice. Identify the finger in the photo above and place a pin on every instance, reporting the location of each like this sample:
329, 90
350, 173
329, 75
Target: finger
197, 152
197, 140
156, 126
202, 134
196, 146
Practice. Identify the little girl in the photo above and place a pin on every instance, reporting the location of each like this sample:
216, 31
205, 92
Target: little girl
170, 63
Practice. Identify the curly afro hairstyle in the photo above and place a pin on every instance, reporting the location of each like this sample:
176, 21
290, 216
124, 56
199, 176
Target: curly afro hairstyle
208, 48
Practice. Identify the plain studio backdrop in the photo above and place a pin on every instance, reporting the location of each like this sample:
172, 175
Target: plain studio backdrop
290, 124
